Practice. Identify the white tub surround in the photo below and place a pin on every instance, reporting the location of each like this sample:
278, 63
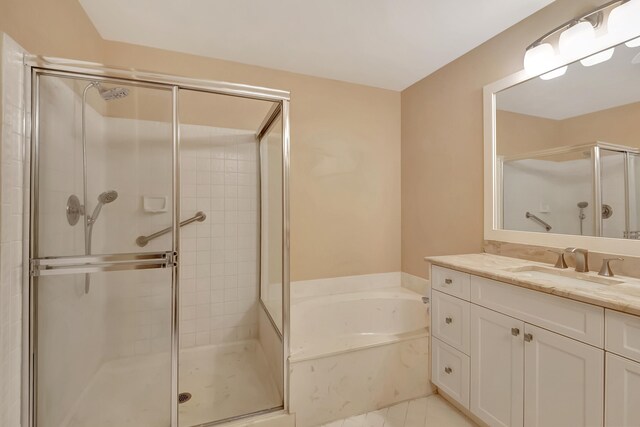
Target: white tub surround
415, 283
358, 344
518, 342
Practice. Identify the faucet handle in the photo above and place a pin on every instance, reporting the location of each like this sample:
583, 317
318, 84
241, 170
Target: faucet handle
560, 262
606, 270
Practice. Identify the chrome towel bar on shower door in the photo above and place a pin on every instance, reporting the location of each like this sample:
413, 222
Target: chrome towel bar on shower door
143, 240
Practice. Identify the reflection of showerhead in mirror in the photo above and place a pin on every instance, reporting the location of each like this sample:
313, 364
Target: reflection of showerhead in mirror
582, 205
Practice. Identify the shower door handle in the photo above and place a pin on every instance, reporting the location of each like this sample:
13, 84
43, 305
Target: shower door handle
101, 263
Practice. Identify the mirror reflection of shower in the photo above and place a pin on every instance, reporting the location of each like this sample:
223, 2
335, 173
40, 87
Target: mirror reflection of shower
582, 206
107, 94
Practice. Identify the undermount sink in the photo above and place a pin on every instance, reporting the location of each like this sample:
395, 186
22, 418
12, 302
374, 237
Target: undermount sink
561, 276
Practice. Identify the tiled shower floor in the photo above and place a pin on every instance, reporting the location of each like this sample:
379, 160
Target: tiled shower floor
224, 381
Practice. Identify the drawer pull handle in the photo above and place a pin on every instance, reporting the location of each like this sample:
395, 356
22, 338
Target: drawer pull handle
448, 320
448, 281
528, 337
515, 332
448, 370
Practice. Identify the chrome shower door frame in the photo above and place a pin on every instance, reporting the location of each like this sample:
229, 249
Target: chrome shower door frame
36, 66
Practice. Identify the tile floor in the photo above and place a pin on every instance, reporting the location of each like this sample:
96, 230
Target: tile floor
432, 411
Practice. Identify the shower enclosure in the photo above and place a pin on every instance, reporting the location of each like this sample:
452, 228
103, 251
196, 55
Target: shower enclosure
591, 189
158, 218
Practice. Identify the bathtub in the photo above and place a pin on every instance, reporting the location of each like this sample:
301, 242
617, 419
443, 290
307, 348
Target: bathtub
326, 325
356, 351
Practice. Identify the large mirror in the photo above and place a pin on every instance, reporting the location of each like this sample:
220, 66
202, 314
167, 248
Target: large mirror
567, 151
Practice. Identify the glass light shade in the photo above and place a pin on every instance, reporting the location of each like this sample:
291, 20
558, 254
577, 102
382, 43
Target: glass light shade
539, 58
598, 58
555, 73
633, 43
577, 40
624, 20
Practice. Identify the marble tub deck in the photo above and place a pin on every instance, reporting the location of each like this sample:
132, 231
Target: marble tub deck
624, 297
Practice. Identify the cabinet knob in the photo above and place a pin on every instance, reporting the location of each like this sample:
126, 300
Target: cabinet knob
448, 370
515, 332
528, 337
448, 281
448, 320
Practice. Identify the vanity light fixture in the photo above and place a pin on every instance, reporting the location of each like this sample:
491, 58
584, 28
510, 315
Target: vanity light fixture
577, 38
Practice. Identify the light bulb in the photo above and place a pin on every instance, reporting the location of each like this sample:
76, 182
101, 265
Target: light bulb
539, 58
633, 43
577, 41
597, 58
555, 73
624, 20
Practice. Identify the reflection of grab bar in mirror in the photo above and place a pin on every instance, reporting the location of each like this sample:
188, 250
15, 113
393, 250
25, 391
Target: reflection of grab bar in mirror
538, 220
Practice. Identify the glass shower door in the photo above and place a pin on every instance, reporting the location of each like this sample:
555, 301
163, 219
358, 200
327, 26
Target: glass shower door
102, 302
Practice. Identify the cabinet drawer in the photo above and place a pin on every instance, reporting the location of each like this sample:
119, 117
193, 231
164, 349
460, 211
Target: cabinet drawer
623, 334
450, 320
450, 371
580, 321
450, 282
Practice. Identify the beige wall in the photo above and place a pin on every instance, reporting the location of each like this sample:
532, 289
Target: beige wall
345, 173
620, 125
520, 133
442, 141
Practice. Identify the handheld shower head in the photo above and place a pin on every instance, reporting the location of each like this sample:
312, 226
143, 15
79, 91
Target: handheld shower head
103, 199
108, 197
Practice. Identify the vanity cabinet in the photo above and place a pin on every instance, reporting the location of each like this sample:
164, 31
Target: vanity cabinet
622, 392
497, 367
622, 404
535, 360
563, 380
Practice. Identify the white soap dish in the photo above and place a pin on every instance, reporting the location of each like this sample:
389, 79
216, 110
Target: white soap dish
155, 204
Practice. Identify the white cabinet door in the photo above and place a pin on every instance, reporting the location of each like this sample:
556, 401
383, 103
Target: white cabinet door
564, 381
622, 406
497, 367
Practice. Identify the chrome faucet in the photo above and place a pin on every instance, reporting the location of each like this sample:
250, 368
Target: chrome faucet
582, 259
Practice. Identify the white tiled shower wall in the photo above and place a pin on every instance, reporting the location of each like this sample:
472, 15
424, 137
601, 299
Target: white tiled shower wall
12, 184
219, 282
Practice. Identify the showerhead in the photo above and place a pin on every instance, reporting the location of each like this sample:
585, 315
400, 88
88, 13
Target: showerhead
108, 197
113, 93
110, 94
582, 205
103, 199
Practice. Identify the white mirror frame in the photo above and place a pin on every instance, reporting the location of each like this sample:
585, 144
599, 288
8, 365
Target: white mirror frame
492, 178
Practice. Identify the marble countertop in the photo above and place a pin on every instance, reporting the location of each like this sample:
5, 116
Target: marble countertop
623, 297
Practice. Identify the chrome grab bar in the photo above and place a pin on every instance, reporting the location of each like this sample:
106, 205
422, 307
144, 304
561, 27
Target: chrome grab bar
538, 220
143, 240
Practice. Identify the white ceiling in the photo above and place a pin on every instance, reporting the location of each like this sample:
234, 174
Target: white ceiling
582, 90
383, 43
